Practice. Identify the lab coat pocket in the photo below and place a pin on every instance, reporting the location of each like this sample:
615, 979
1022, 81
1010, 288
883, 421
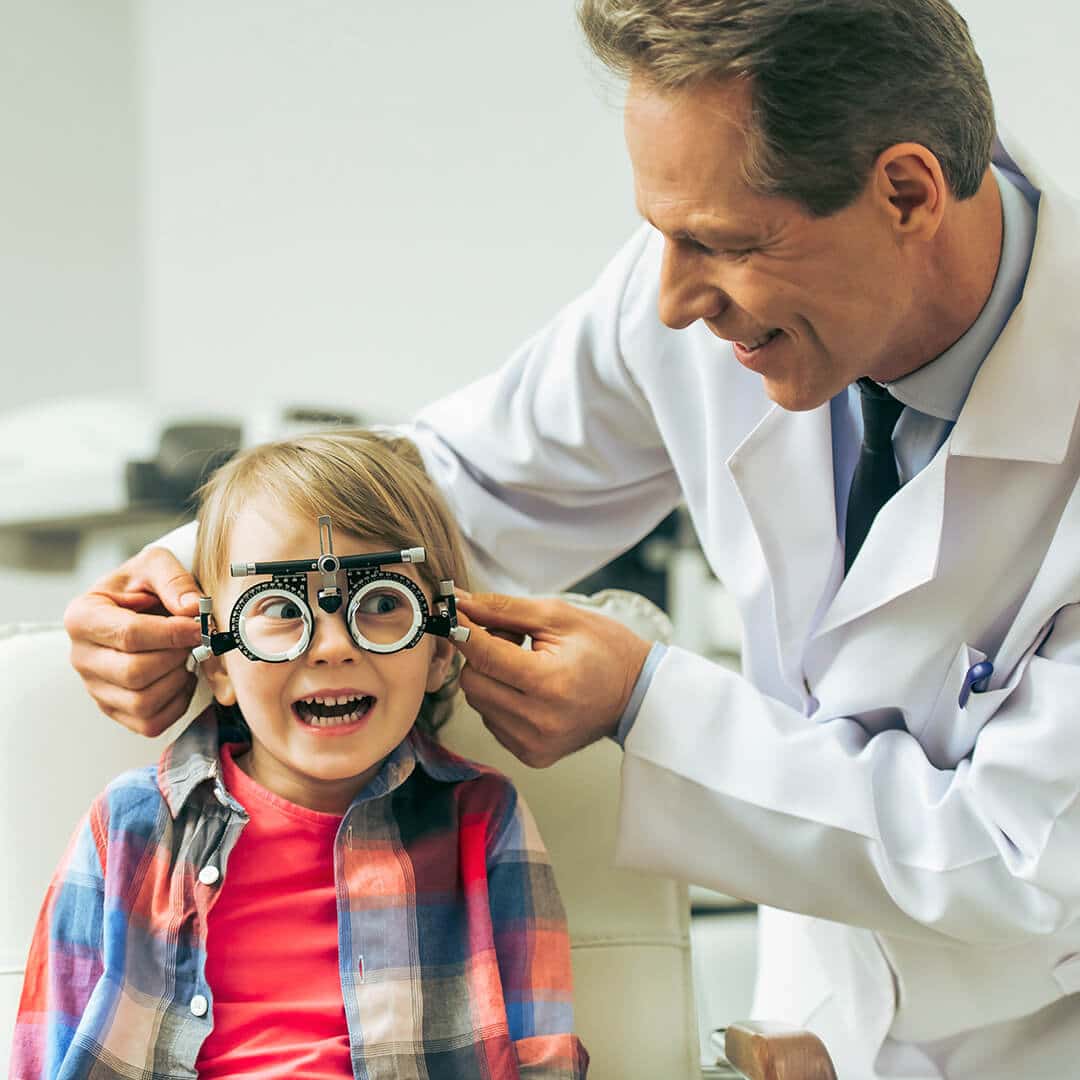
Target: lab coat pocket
1067, 974
960, 711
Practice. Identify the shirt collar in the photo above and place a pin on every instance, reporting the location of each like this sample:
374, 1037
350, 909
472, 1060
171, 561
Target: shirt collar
941, 387
194, 758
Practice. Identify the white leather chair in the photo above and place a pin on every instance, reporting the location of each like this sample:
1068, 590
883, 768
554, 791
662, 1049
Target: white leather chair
629, 932
56, 753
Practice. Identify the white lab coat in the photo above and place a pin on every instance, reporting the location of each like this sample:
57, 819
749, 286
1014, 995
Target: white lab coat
933, 850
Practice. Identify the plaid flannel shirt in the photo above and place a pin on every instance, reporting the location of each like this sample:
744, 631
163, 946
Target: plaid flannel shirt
454, 955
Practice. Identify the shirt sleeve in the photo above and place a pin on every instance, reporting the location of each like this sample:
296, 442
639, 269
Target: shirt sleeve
637, 695
66, 958
533, 949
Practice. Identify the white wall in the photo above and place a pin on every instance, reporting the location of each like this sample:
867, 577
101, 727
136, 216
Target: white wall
373, 203
330, 199
1030, 53
368, 202
70, 275
71, 317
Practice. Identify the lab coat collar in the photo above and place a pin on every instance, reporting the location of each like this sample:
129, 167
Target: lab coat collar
784, 473
1022, 406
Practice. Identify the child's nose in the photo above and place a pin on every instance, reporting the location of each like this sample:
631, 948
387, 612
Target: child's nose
331, 642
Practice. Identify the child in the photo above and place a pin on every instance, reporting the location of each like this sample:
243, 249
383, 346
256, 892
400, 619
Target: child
307, 884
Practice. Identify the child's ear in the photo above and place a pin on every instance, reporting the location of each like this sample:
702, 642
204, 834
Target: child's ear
439, 667
213, 667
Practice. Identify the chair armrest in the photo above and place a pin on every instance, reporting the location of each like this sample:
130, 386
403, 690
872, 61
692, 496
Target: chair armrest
765, 1051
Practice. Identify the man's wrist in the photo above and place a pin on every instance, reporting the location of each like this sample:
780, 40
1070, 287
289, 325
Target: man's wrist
637, 695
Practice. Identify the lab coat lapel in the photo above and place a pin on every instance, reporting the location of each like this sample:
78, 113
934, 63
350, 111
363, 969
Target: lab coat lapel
784, 473
1023, 402
1043, 386
1033, 368
900, 552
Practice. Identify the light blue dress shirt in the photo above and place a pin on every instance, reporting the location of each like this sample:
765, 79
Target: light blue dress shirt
933, 395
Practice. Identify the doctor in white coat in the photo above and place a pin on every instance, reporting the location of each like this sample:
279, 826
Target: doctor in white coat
895, 774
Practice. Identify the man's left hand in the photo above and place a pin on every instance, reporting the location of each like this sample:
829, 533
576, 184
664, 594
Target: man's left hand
569, 691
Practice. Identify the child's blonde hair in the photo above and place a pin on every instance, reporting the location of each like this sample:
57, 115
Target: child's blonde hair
371, 484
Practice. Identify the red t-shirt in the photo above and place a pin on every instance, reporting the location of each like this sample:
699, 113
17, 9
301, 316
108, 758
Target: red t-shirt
272, 946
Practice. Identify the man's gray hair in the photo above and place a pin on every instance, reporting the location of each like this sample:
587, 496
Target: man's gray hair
832, 83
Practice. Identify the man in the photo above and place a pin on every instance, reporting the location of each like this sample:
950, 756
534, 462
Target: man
881, 466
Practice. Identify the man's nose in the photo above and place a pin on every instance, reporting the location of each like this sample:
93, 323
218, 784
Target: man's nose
331, 642
686, 294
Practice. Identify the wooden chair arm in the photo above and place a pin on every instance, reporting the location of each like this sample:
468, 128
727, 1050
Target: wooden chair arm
765, 1051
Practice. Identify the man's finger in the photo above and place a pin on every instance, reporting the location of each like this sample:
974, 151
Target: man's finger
98, 619
506, 735
145, 704
130, 671
521, 614
498, 659
151, 724
158, 571
486, 694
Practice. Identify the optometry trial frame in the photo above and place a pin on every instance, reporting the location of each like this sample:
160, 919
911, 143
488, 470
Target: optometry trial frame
386, 612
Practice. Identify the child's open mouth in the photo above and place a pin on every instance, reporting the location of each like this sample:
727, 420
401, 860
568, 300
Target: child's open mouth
333, 711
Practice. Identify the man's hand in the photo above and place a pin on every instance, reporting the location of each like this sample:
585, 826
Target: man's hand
131, 635
569, 691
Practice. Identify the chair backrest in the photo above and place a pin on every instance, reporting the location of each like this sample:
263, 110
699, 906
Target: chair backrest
629, 931
57, 751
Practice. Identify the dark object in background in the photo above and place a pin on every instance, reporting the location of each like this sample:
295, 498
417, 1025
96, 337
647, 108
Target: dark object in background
187, 455
641, 569
190, 451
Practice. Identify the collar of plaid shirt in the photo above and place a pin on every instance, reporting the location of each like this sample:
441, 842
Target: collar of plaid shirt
194, 758
446, 891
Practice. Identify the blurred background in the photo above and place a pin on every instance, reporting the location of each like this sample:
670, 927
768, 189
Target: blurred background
225, 221
261, 214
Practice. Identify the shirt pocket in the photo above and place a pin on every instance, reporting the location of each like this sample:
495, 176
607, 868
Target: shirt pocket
950, 731
956, 718
1067, 974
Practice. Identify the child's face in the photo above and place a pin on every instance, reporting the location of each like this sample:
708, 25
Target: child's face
318, 766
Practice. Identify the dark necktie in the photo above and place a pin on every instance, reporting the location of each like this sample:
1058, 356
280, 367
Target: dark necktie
876, 479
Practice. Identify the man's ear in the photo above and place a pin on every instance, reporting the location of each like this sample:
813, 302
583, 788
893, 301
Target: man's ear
213, 667
439, 665
911, 188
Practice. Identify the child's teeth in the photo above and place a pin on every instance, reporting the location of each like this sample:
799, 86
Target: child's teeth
310, 717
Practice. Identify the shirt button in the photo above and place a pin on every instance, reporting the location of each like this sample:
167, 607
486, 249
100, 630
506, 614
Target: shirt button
199, 1005
209, 874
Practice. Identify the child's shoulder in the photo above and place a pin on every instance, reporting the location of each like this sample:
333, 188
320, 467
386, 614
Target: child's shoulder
131, 798
442, 763
478, 788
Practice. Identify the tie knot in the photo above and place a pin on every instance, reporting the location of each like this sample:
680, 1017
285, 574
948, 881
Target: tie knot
880, 412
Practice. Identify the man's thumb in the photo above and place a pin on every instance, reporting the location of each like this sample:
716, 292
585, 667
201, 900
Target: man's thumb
165, 577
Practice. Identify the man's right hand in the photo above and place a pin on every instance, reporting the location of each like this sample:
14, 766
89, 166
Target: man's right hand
131, 635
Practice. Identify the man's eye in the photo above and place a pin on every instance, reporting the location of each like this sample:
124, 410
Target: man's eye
731, 254
699, 247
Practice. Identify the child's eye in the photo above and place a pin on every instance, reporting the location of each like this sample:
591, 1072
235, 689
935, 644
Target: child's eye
379, 603
279, 608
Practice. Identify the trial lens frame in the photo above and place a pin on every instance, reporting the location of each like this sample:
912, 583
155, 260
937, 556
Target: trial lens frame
361, 570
